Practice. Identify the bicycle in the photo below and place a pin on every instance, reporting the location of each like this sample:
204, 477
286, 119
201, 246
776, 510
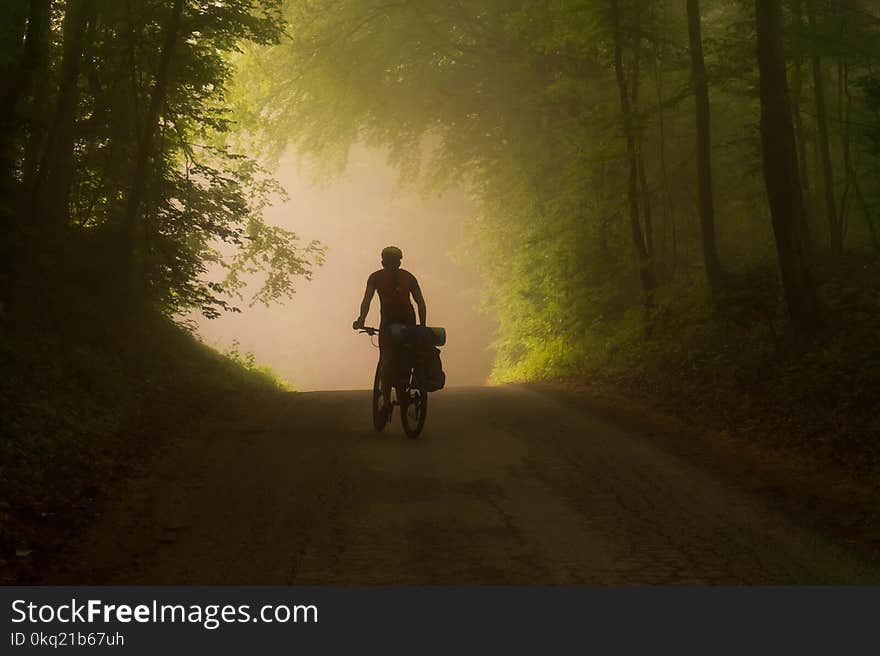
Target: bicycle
408, 391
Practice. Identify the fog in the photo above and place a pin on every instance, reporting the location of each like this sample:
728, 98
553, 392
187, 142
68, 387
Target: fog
308, 340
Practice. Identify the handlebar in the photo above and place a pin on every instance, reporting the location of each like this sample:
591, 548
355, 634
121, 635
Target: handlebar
368, 330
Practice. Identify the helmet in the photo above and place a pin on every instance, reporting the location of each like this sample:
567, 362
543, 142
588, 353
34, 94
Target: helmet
392, 253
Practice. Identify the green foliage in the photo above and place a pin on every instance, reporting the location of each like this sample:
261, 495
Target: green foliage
200, 209
247, 362
122, 208
518, 101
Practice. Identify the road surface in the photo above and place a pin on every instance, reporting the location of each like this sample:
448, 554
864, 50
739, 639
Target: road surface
506, 486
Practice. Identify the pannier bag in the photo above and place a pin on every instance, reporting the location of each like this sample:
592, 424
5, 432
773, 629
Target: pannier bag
424, 342
431, 373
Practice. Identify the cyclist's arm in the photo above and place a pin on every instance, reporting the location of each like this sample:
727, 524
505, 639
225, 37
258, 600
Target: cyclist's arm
368, 298
420, 302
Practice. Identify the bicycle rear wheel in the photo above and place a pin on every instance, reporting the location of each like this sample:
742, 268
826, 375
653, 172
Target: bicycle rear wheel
414, 412
379, 401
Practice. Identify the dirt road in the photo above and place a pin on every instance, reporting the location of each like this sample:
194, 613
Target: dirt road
507, 485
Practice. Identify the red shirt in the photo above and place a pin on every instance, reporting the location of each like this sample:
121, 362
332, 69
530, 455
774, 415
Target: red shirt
395, 287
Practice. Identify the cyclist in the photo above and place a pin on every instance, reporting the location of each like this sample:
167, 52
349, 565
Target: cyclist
395, 286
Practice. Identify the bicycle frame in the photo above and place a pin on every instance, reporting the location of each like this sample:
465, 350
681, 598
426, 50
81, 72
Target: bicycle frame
406, 388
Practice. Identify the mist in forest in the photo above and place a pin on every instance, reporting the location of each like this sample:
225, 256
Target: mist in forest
308, 340
646, 206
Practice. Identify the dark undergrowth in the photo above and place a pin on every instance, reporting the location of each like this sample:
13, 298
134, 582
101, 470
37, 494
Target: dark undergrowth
85, 393
731, 365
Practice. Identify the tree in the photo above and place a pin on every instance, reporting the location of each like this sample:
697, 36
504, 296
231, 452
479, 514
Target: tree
646, 273
145, 139
639, 130
835, 225
781, 172
51, 193
553, 118
13, 23
797, 89
704, 147
129, 160
35, 66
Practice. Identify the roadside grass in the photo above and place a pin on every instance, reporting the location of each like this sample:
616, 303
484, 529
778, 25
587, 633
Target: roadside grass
247, 362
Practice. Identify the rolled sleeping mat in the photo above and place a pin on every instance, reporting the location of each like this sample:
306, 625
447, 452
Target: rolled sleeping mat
439, 335
418, 336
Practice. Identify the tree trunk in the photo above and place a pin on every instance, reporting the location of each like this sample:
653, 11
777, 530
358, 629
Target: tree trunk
145, 141
646, 273
704, 148
646, 203
51, 193
639, 133
13, 22
849, 168
822, 136
800, 137
668, 206
37, 57
797, 85
781, 173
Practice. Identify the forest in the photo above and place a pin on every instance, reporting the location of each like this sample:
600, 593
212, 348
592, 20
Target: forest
675, 199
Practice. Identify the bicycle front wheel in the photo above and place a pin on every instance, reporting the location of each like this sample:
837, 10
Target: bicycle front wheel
379, 401
415, 411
